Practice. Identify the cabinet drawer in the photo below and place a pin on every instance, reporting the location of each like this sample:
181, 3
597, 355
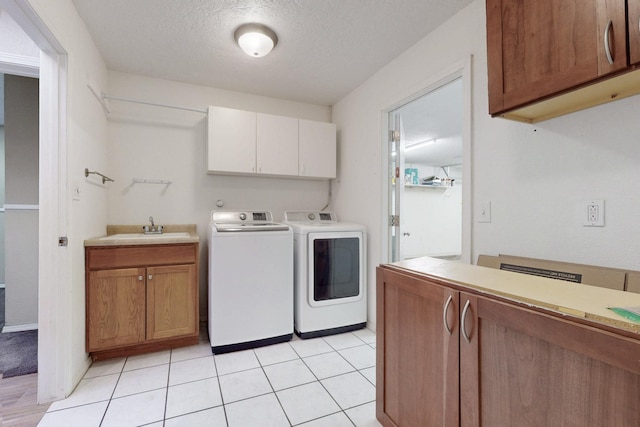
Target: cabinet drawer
134, 256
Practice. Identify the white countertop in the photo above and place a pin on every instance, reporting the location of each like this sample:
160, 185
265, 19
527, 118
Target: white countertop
128, 235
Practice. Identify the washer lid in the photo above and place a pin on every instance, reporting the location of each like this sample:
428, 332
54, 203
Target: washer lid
235, 227
234, 221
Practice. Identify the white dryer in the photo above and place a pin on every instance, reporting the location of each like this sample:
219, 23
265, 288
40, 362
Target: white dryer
330, 274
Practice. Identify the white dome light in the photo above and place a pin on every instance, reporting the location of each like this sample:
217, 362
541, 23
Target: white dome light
255, 40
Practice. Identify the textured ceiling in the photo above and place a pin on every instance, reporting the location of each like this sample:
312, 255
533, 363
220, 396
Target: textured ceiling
326, 48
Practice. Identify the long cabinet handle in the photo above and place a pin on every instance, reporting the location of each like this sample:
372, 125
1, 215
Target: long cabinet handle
462, 319
607, 42
444, 315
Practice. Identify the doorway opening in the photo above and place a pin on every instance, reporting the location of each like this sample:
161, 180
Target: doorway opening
428, 185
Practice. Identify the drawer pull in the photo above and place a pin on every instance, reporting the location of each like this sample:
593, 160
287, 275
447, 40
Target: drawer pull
607, 42
151, 277
140, 278
462, 327
444, 315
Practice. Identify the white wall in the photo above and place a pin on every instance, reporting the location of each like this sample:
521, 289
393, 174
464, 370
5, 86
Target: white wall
160, 143
536, 176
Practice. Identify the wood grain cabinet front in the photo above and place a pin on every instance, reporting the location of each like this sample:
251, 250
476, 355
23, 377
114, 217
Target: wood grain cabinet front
450, 357
145, 308
551, 57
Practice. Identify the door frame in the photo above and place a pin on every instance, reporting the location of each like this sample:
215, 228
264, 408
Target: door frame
54, 301
461, 69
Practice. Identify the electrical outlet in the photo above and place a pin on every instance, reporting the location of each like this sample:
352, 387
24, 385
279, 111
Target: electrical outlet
594, 213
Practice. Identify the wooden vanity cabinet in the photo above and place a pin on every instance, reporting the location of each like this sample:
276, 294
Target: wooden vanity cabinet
537, 49
141, 298
513, 365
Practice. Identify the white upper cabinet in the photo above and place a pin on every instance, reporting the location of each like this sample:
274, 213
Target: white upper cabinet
248, 143
277, 145
231, 143
317, 149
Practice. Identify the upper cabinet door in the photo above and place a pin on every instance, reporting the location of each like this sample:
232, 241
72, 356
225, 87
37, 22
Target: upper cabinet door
277, 145
634, 31
538, 48
317, 149
231, 140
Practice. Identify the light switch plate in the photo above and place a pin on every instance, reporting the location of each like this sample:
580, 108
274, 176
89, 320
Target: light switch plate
484, 212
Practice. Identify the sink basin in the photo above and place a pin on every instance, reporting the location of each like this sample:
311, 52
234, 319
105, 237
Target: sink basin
145, 236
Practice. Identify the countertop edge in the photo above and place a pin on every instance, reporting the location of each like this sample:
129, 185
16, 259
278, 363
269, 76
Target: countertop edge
569, 300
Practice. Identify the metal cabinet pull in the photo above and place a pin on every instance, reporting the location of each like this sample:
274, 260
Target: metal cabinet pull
444, 315
151, 277
607, 42
462, 319
140, 278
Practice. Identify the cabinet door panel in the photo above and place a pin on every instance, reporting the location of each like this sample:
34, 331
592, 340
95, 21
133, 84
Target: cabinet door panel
317, 149
115, 308
171, 301
417, 370
527, 368
541, 48
277, 145
231, 144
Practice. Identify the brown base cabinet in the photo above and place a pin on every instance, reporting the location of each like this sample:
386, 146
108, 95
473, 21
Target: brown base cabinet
450, 356
137, 303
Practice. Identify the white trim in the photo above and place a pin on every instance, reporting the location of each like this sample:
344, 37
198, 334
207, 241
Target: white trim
19, 328
21, 208
2, 286
461, 69
19, 65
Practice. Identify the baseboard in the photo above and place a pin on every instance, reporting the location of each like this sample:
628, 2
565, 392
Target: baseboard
19, 328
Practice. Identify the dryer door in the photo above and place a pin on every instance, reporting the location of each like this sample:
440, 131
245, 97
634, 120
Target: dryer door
336, 267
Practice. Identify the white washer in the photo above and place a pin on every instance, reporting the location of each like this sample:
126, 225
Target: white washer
330, 274
250, 280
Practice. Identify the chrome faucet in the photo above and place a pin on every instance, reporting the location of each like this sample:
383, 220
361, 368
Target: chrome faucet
154, 229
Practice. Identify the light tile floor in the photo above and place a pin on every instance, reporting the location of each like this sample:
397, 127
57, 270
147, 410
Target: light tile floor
319, 382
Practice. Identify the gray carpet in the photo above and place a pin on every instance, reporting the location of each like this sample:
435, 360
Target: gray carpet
18, 353
18, 350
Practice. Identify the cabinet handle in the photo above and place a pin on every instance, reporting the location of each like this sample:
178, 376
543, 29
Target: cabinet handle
607, 42
444, 315
463, 317
151, 277
140, 278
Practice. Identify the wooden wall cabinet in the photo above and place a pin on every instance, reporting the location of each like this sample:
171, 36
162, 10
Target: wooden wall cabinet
249, 143
141, 298
539, 51
511, 364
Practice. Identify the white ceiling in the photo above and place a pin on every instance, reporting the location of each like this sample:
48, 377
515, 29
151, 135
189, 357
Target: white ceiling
326, 48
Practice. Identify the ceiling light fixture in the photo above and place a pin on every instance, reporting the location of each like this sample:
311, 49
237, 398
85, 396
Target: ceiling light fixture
255, 40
